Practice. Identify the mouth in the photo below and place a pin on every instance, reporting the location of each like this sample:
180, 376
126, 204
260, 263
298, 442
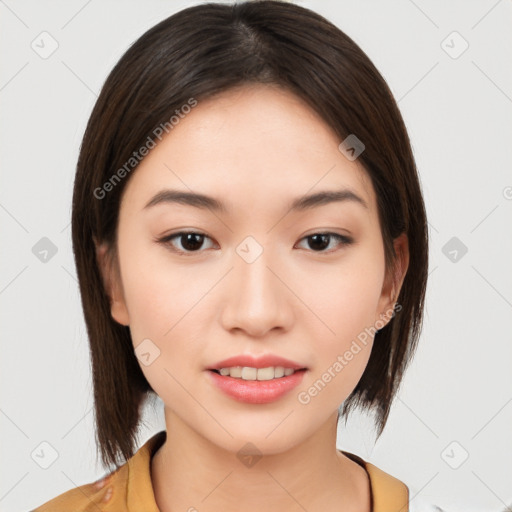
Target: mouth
248, 373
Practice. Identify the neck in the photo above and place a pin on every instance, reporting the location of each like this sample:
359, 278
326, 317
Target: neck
191, 473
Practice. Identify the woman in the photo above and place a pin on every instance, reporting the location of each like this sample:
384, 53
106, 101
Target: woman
251, 246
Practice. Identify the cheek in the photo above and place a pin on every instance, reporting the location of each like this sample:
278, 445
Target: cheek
164, 305
345, 298
157, 294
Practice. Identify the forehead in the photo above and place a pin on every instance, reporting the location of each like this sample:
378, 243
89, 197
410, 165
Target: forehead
252, 146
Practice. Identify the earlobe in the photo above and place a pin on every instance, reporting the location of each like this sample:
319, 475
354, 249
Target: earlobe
112, 284
394, 278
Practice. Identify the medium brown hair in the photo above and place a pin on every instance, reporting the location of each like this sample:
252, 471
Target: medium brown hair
196, 53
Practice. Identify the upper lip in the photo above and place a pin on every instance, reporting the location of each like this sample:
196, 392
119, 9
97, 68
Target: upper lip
264, 361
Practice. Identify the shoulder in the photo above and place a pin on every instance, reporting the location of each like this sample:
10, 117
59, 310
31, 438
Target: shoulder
129, 486
390, 494
93, 496
387, 492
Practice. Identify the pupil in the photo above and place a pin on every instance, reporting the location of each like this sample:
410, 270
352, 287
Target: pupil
324, 241
192, 241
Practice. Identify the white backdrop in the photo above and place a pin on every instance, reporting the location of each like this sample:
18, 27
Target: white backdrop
449, 435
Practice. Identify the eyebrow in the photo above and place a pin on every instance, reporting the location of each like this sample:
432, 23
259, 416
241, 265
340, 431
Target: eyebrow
204, 202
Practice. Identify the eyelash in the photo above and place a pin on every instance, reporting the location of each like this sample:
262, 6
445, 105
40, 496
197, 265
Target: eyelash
166, 240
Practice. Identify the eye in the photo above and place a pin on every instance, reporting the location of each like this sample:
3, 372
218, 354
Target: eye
319, 241
190, 241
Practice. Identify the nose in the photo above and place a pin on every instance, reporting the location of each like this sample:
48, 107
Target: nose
257, 297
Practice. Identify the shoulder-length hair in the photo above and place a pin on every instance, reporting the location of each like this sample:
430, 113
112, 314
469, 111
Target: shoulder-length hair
196, 53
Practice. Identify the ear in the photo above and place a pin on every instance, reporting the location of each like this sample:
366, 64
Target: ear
111, 276
394, 280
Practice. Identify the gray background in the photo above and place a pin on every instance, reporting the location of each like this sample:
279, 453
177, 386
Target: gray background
456, 399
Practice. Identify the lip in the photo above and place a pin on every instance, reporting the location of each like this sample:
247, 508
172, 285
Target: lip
263, 361
256, 391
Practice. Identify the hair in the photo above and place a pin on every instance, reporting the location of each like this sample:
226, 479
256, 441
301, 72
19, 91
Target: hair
196, 53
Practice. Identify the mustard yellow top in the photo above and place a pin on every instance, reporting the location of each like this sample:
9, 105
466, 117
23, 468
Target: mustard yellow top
129, 488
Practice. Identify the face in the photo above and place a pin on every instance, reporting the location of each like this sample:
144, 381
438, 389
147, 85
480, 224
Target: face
258, 276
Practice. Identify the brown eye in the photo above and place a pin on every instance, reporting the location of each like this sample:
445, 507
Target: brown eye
190, 241
318, 242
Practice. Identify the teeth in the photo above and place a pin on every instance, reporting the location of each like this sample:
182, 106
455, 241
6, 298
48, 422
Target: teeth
234, 372
248, 373
278, 372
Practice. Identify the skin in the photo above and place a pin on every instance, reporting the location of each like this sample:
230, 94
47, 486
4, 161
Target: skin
256, 148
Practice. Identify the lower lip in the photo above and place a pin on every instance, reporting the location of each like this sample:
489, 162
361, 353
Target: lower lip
257, 391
